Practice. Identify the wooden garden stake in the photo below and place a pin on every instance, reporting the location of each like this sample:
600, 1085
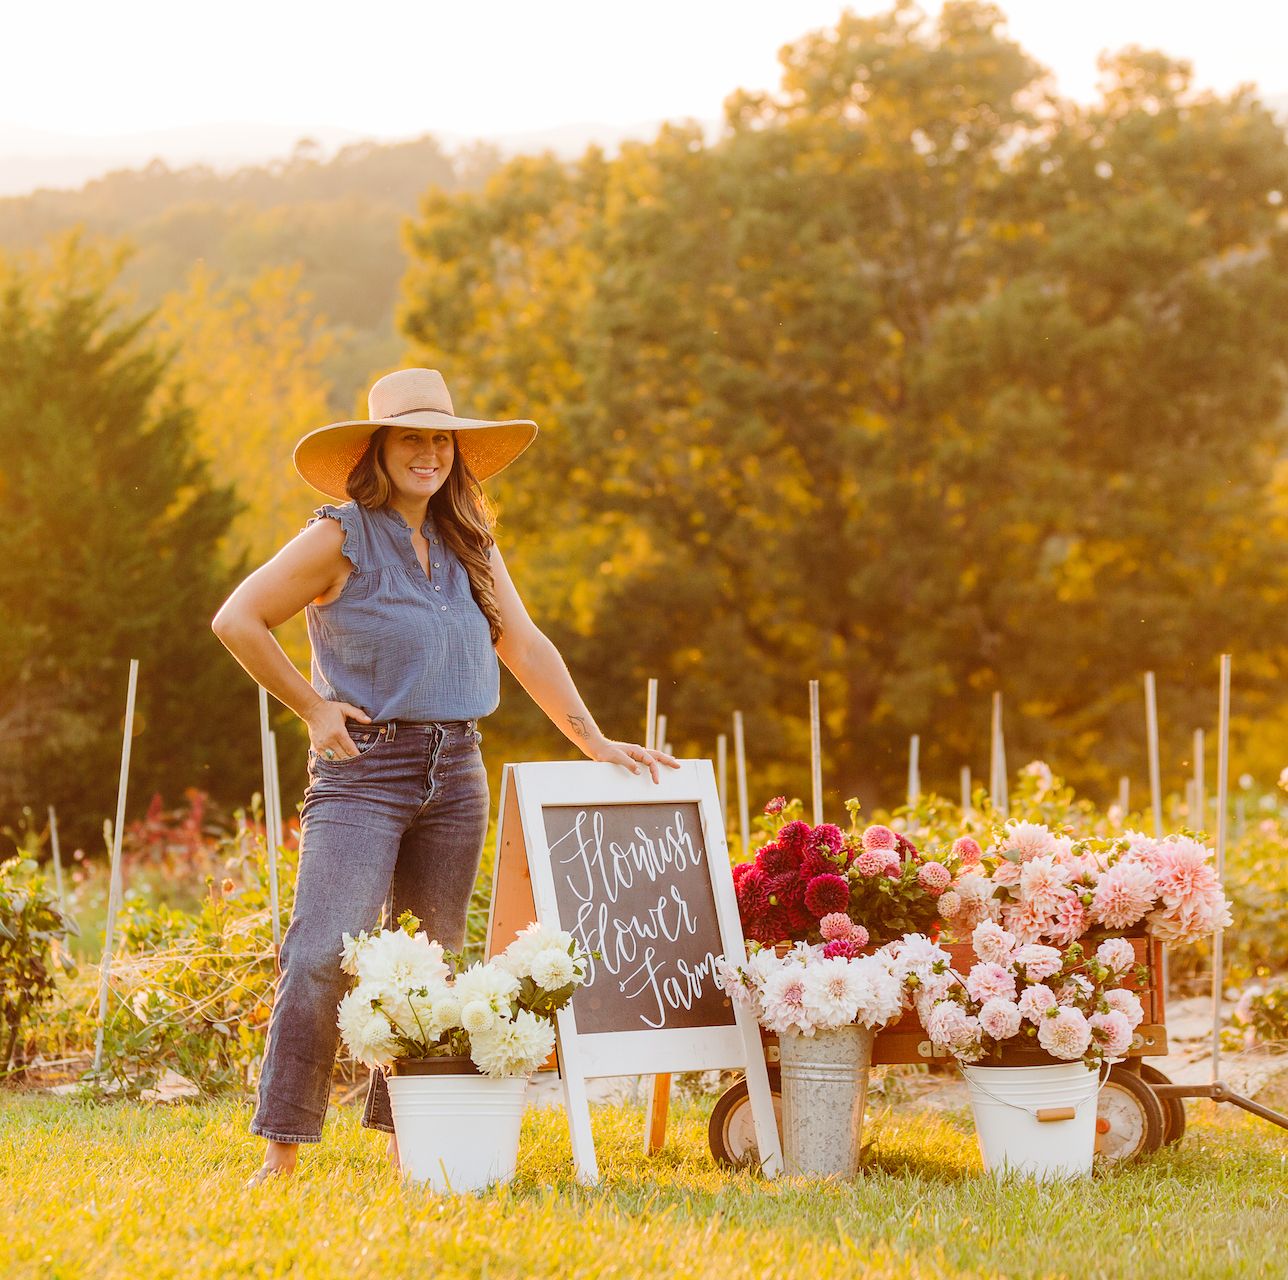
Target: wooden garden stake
650, 715
1222, 804
275, 844
1199, 812
1151, 729
114, 889
914, 769
815, 752
58, 859
659, 734
722, 775
740, 771
997, 783
966, 811
1124, 795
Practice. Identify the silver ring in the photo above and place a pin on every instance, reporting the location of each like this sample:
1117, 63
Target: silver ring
330, 755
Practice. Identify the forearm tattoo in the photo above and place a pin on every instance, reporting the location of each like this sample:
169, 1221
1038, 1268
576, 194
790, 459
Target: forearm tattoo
579, 726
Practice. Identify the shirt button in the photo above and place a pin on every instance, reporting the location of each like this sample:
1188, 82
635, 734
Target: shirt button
437, 564
434, 541
438, 588
443, 607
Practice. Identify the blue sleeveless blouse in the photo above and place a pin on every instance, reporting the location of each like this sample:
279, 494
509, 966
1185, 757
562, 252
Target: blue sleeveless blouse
397, 643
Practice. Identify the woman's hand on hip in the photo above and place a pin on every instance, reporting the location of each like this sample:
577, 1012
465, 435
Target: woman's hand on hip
631, 755
327, 733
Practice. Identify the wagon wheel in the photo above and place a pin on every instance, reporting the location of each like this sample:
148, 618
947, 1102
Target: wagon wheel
731, 1133
1173, 1108
1129, 1117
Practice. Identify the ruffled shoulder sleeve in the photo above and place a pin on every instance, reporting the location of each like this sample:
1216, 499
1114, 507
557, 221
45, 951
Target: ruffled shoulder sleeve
350, 520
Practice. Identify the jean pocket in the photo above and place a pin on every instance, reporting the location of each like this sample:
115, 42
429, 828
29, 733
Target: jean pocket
366, 740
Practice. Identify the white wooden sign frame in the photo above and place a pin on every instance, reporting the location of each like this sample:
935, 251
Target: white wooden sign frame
583, 1057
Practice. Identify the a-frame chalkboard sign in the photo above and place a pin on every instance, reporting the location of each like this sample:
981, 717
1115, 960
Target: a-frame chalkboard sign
639, 872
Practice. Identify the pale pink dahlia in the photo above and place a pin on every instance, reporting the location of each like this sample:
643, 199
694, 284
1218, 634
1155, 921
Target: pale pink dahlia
859, 936
1117, 954
1028, 839
950, 904
1112, 1031
1035, 1001
934, 877
1128, 1004
1027, 922
967, 851
999, 1018
1065, 1034
978, 903
879, 837
1074, 989
835, 926
1038, 962
1070, 921
870, 863
992, 943
1125, 892
1006, 873
1043, 882
1185, 875
986, 981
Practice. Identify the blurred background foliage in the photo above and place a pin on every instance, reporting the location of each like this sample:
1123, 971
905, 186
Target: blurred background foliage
918, 379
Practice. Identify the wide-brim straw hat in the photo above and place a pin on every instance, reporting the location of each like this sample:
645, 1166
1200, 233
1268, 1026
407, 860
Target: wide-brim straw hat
414, 398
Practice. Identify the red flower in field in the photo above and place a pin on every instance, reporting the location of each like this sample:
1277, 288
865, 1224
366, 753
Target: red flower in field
828, 837
775, 806
774, 859
753, 893
795, 836
827, 893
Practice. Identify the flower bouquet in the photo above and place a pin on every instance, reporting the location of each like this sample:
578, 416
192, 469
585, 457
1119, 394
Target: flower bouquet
458, 1044
825, 1010
877, 880
1034, 1023
1053, 889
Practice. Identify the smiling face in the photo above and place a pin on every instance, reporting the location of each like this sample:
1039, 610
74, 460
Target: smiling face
417, 462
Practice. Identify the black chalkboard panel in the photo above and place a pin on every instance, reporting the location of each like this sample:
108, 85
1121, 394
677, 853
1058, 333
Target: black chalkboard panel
632, 881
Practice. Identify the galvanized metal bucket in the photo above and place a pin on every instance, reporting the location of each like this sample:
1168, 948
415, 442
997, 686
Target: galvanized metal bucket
825, 1086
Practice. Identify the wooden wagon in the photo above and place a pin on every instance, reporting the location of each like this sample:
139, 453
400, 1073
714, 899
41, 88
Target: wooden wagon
1132, 1118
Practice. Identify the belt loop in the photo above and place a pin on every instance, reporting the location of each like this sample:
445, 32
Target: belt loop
391, 730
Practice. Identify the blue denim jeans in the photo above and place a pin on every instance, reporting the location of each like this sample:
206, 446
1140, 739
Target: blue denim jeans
398, 827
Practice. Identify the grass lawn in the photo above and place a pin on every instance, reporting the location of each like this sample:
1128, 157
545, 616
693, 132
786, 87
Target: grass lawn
149, 1192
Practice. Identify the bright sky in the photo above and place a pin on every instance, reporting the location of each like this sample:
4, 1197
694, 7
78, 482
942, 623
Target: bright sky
478, 67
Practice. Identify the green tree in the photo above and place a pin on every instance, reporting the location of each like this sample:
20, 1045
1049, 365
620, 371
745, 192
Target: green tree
108, 551
919, 380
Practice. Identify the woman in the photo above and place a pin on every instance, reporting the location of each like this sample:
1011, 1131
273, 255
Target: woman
409, 605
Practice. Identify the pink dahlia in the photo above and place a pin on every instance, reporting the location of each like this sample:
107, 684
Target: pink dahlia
999, 1018
1116, 954
967, 851
950, 904
1128, 1004
1042, 885
1070, 921
870, 862
986, 981
1006, 873
843, 947
1026, 922
860, 936
1065, 1034
992, 943
1184, 874
1112, 1032
934, 877
1029, 839
1035, 1001
1038, 962
1125, 892
879, 837
827, 894
835, 925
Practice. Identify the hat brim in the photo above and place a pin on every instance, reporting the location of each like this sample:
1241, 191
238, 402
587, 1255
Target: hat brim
326, 456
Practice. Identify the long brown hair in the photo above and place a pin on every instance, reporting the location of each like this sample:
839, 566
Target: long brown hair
461, 510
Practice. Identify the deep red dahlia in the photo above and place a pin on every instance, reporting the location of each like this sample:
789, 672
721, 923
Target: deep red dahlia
739, 870
774, 859
816, 863
788, 888
753, 894
795, 836
828, 837
827, 893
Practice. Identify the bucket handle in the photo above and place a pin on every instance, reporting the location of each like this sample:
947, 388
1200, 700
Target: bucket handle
1044, 1115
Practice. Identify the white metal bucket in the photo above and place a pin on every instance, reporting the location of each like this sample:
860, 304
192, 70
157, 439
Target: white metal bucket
1037, 1121
825, 1085
457, 1132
